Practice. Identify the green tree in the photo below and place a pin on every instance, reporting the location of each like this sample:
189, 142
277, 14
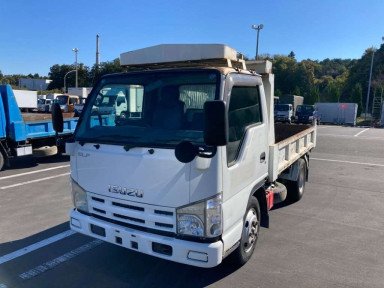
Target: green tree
332, 93
291, 55
357, 97
314, 96
108, 67
57, 73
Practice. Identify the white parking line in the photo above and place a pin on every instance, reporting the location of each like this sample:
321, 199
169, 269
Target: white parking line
33, 247
349, 162
33, 181
63, 258
342, 135
357, 134
33, 172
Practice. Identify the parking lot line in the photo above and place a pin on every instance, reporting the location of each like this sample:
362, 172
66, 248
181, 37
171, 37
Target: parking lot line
33, 172
349, 162
357, 134
33, 181
63, 258
35, 246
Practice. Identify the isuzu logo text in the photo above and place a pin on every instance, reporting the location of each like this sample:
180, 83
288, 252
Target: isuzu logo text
126, 191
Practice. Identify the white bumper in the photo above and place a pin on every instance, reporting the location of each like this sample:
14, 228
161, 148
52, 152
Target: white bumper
191, 253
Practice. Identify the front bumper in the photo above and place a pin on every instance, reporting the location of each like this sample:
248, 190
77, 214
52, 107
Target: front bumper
191, 253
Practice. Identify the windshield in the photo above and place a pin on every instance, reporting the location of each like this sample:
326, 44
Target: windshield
41, 101
281, 107
305, 109
149, 109
62, 100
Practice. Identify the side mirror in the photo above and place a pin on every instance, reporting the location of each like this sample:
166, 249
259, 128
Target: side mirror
215, 124
57, 118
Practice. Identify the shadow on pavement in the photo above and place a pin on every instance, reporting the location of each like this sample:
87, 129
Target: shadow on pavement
106, 265
11, 246
29, 162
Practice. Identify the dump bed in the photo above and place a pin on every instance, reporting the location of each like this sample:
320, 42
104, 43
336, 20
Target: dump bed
39, 126
292, 142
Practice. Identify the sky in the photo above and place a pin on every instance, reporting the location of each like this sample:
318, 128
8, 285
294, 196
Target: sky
35, 35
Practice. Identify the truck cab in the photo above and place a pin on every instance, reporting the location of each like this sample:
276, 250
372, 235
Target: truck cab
304, 114
67, 102
187, 170
283, 113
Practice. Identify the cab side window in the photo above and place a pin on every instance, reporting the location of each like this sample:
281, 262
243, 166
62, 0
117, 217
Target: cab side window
244, 111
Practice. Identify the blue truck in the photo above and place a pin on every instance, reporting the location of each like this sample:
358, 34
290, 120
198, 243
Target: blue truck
27, 134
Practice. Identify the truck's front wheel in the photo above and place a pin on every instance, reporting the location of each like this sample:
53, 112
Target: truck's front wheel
250, 233
296, 188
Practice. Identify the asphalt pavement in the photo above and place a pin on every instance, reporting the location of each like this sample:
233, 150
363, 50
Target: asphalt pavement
332, 237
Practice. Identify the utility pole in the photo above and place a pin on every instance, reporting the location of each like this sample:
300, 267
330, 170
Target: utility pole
76, 51
258, 28
369, 84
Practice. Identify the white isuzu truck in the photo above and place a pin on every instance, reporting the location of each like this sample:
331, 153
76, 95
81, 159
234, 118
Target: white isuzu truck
192, 169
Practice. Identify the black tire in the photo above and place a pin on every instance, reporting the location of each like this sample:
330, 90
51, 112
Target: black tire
246, 248
123, 115
296, 188
44, 151
1, 160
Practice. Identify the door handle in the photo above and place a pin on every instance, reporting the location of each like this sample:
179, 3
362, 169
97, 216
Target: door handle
262, 157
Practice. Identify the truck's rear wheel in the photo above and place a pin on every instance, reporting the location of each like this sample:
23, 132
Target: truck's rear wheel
296, 188
250, 233
45, 151
1, 160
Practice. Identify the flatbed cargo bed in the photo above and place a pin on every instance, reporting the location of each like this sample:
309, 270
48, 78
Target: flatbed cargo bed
28, 117
291, 143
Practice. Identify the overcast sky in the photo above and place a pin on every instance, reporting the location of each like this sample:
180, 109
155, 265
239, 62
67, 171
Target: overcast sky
34, 35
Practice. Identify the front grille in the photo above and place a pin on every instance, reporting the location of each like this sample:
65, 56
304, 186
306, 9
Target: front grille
128, 218
144, 215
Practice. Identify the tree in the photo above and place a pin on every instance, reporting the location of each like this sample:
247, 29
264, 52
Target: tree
332, 93
57, 73
291, 55
314, 96
108, 67
357, 97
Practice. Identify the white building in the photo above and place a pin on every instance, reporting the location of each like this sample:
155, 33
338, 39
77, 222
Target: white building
34, 84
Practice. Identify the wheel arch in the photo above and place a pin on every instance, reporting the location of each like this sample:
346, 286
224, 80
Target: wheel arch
259, 192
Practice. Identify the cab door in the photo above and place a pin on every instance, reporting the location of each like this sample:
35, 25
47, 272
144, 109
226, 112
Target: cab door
245, 159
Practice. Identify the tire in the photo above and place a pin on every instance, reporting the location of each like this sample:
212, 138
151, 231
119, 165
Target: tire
1, 161
247, 242
45, 151
123, 115
296, 188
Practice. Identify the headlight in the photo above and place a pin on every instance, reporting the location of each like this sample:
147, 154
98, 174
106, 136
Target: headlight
310, 117
79, 197
203, 219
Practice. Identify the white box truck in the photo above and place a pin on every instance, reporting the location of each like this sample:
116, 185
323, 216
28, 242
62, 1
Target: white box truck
26, 100
190, 172
337, 113
80, 91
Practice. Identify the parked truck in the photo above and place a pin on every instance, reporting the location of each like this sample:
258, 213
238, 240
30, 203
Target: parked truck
337, 113
26, 100
283, 113
304, 114
26, 134
294, 100
191, 177
80, 91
